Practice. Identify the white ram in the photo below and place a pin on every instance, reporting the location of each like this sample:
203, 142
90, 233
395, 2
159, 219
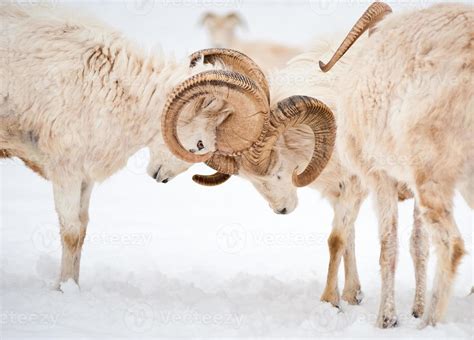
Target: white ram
403, 104
77, 99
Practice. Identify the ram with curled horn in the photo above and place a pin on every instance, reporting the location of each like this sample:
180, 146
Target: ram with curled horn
246, 137
388, 105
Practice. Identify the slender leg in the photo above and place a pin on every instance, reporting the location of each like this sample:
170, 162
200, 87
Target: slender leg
419, 250
71, 200
435, 203
352, 292
341, 243
386, 202
86, 191
336, 243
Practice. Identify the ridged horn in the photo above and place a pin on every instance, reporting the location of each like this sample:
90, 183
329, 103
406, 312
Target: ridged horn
236, 61
375, 13
246, 122
293, 112
211, 180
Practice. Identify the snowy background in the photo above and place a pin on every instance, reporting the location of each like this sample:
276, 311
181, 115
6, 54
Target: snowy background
180, 260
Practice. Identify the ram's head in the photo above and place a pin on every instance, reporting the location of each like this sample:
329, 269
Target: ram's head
247, 126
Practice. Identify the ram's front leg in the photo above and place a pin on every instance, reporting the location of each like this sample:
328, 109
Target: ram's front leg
72, 202
386, 199
336, 244
352, 291
341, 243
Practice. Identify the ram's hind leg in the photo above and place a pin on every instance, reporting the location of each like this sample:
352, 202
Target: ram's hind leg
386, 202
419, 250
352, 292
435, 203
72, 201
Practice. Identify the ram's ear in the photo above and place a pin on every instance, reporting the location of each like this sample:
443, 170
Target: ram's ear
236, 19
207, 18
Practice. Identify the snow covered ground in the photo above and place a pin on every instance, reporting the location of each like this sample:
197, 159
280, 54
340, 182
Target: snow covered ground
179, 260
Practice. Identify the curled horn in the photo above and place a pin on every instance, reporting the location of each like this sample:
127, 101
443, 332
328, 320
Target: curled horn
211, 180
292, 112
237, 62
375, 13
247, 121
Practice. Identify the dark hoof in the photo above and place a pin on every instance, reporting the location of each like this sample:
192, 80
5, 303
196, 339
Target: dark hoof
390, 322
415, 314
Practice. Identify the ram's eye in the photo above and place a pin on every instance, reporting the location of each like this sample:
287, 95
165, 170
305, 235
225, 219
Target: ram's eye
200, 145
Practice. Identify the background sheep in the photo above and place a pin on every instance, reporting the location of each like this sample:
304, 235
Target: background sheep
79, 100
222, 30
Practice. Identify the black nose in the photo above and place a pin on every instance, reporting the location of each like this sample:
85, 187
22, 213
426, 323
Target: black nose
282, 211
165, 180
